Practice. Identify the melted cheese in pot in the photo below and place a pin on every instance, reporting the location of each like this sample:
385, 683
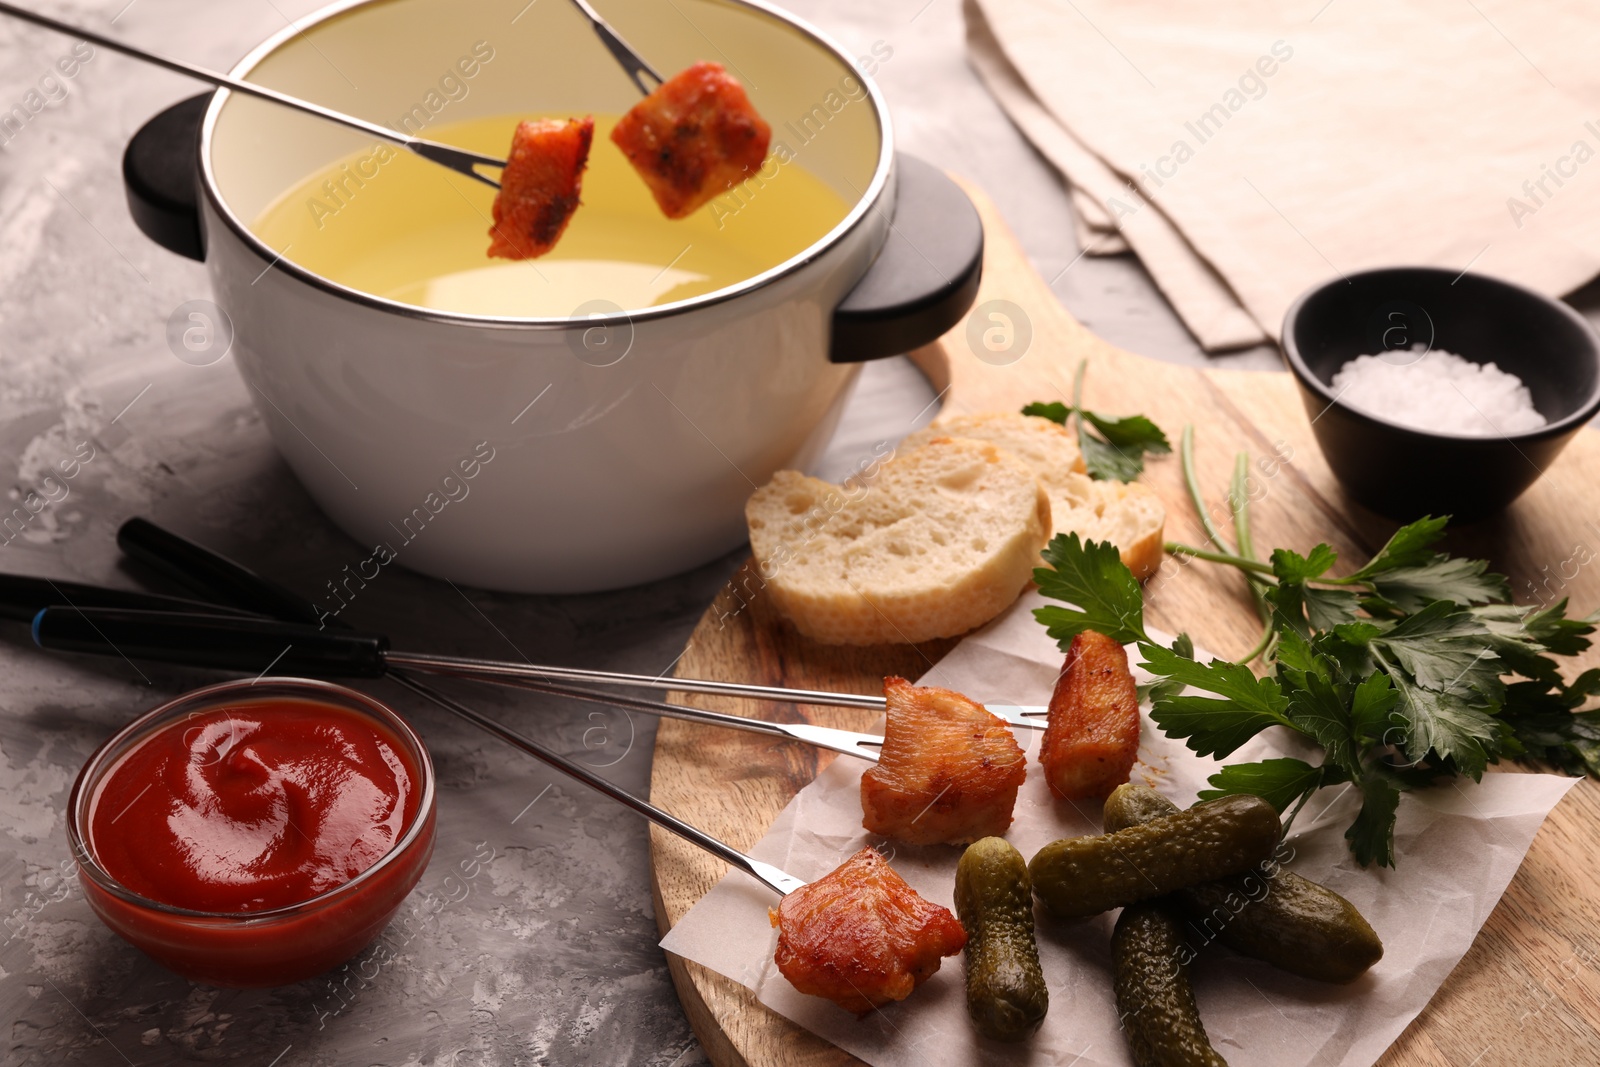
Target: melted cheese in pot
388, 223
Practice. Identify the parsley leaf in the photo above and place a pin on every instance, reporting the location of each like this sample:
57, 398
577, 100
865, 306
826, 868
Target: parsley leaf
1294, 652
1210, 726
1055, 411
1461, 581
1410, 575
1328, 608
1447, 649
1551, 628
1410, 546
1544, 722
1293, 567
1105, 462
1317, 708
1166, 688
1280, 782
1445, 724
1092, 577
1244, 705
1371, 836
1306, 608
1130, 431
1372, 710
1303, 607
1522, 636
1120, 455
1116, 449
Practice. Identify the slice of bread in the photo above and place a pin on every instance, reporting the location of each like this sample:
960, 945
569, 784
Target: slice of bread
1130, 516
943, 539
1048, 447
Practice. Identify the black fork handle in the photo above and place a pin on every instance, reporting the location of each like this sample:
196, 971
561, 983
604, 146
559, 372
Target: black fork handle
216, 577
225, 642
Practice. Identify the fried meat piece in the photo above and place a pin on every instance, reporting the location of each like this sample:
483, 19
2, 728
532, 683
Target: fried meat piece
539, 187
693, 138
862, 937
948, 772
1092, 738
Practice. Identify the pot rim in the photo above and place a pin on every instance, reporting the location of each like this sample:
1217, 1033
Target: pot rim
868, 201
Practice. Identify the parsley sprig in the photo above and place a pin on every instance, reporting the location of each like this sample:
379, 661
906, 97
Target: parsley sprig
1414, 668
1113, 448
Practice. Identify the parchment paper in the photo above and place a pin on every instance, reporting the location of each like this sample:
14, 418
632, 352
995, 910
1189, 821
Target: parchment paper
1457, 849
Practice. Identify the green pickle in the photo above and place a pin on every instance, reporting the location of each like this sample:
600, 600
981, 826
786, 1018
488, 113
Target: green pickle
1154, 1001
1289, 921
1081, 876
1006, 994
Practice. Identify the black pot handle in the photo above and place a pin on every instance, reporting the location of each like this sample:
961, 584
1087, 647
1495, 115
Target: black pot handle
925, 279
160, 170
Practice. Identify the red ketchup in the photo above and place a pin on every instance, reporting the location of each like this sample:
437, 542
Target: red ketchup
256, 810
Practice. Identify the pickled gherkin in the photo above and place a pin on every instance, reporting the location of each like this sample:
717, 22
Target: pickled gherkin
1271, 914
1081, 876
1154, 1000
1006, 994
1132, 804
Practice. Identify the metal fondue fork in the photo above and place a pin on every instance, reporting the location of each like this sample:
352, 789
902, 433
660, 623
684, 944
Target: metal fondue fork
779, 881
501, 672
75, 621
221, 580
848, 742
457, 159
633, 64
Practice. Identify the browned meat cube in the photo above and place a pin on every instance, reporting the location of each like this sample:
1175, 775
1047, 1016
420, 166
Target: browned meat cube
539, 187
948, 772
693, 138
862, 937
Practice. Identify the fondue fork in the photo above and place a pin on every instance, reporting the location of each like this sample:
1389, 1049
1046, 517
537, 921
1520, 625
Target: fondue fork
779, 881
221, 580
535, 676
457, 159
244, 643
177, 627
632, 63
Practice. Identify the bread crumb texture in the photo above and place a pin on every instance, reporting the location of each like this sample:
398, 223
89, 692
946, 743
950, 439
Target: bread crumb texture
1130, 515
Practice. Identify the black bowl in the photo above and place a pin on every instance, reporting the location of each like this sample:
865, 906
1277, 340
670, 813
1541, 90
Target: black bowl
1404, 473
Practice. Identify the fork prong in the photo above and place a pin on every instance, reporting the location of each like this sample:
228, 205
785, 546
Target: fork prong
457, 159
635, 66
1029, 718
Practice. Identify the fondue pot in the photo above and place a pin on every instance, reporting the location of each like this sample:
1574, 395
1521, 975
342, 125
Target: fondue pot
550, 455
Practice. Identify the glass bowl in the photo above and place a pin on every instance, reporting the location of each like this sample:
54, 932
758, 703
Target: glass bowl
274, 946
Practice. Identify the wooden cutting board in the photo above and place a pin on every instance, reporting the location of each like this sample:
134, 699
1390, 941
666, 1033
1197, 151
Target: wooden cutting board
1529, 989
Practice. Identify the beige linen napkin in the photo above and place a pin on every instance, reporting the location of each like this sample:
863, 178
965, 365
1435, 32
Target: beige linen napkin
1249, 150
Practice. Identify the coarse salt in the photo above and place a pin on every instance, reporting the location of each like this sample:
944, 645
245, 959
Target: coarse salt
1438, 392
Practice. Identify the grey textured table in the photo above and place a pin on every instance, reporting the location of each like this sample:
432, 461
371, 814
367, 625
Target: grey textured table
531, 939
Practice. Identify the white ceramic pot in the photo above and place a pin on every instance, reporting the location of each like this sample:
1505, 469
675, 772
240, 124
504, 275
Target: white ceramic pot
647, 430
